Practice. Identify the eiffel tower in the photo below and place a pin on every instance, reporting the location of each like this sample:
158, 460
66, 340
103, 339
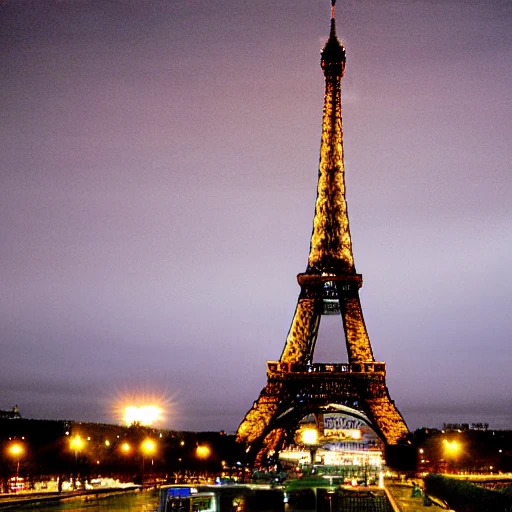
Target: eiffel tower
330, 285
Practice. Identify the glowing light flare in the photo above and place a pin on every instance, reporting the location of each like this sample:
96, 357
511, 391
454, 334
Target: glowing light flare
148, 447
126, 448
144, 408
76, 443
356, 434
202, 451
146, 415
310, 436
452, 448
16, 450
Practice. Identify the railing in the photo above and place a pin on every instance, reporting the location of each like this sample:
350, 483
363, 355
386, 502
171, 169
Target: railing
366, 367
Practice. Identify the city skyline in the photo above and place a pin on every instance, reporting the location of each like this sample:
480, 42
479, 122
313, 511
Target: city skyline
160, 166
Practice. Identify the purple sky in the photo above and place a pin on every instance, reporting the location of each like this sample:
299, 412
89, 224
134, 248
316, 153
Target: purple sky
158, 179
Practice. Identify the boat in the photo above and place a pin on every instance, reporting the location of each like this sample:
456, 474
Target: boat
220, 498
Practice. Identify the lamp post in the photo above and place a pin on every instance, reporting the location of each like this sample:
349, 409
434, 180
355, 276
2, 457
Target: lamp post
16, 450
310, 439
202, 453
125, 451
76, 443
148, 447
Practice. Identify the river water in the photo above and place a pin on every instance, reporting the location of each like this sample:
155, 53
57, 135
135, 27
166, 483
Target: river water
127, 502
147, 501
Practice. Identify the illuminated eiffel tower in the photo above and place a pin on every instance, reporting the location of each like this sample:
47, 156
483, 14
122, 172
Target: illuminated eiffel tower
296, 387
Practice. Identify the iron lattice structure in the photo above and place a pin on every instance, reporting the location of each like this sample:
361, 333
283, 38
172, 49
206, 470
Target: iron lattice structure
330, 285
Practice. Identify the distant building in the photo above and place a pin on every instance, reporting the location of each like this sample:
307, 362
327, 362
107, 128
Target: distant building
13, 414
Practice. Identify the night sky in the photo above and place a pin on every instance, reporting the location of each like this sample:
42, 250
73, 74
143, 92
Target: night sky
158, 179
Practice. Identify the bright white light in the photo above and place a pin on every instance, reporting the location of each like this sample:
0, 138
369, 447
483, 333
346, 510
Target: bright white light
143, 407
355, 434
310, 436
145, 415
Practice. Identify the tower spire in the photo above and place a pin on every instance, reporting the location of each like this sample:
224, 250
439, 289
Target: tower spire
333, 20
331, 245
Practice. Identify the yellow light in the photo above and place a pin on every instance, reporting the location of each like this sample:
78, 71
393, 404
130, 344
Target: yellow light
107, 443
126, 447
16, 450
310, 436
76, 443
148, 447
203, 451
452, 448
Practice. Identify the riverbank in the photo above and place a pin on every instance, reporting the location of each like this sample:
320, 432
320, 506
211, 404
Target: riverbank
31, 498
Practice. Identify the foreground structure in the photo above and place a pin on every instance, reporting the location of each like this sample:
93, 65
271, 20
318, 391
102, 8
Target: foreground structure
297, 386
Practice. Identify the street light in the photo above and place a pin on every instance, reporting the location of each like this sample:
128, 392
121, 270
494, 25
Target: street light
125, 449
76, 443
310, 438
148, 447
452, 449
16, 450
203, 452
